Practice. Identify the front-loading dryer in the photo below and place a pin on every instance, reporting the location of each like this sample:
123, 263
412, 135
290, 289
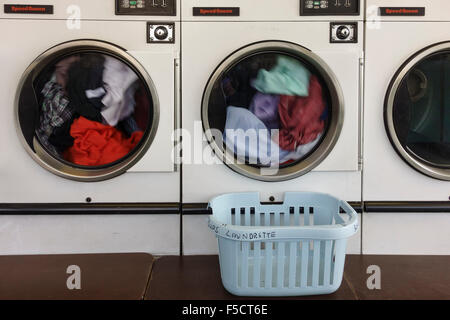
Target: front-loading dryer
89, 96
406, 173
287, 76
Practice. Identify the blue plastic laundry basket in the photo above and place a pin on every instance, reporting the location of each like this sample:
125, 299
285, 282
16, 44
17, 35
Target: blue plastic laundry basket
289, 249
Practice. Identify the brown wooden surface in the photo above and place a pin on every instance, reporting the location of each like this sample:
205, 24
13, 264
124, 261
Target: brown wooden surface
198, 278
126, 276
103, 276
402, 277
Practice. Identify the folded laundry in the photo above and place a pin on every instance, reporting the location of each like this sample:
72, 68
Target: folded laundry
121, 84
54, 113
287, 77
265, 107
300, 117
96, 144
250, 139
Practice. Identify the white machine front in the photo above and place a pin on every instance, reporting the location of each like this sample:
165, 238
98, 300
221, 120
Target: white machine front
113, 75
231, 54
406, 126
407, 101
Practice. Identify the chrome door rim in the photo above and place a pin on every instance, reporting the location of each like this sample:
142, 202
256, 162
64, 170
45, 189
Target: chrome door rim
328, 142
427, 169
50, 163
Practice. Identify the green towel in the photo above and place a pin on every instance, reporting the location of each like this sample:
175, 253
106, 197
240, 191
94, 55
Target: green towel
288, 77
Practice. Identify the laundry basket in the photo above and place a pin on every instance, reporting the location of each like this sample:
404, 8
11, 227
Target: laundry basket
289, 249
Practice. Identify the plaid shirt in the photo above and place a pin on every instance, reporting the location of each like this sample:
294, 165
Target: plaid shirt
55, 112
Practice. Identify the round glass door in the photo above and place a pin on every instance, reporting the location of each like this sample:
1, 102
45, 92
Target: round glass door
272, 111
86, 110
417, 111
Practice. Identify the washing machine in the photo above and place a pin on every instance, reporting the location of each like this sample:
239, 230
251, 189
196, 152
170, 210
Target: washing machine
406, 177
90, 101
286, 73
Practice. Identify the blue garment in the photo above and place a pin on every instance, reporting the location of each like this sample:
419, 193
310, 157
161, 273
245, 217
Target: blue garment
287, 77
250, 139
128, 126
301, 151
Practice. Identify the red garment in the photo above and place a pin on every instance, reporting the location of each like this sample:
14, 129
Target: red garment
300, 117
96, 144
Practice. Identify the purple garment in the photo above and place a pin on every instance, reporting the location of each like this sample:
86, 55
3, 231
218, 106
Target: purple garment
265, 107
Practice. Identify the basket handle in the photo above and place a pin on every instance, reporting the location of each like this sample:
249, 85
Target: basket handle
246, 233
353, 216
348, 210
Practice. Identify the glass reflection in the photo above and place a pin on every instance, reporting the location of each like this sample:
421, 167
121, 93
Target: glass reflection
422, 110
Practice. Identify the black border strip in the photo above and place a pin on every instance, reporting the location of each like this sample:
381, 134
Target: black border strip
89, 209
407, 206
198, 208
190, 209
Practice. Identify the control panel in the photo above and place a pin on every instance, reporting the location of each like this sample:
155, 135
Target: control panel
146, 7
329, 7
343, 32
160, 32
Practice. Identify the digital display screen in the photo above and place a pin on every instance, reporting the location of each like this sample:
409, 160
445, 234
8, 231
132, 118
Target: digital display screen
146, 7
329, 7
